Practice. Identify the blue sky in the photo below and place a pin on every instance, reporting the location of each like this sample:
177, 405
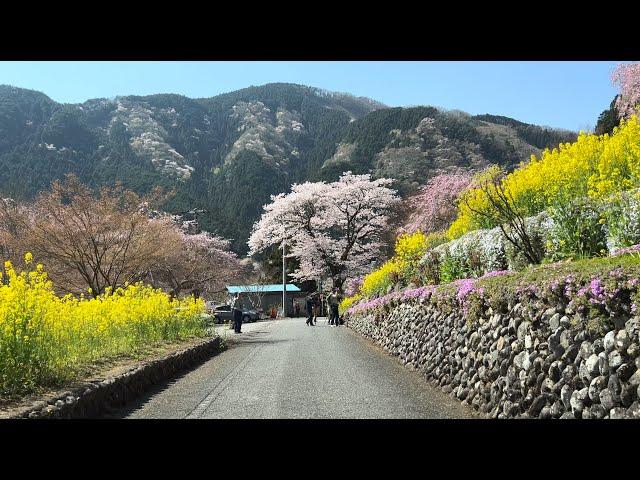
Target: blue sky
559, 94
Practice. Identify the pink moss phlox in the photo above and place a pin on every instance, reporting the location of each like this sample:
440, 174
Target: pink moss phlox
604, 291
624, 251
465, 287
420, 292
496, 273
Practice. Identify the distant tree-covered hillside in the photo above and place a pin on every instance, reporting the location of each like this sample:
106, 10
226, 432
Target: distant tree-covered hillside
412, 144
227, 154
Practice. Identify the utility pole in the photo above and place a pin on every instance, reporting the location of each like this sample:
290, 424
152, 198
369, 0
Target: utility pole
319, 285
284, 282
284, 260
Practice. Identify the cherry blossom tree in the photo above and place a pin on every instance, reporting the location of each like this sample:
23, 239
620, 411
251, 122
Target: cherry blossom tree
94, 240
332, 229
433, 208
202, 265
11, 229
352, 285
627, 76
88, 240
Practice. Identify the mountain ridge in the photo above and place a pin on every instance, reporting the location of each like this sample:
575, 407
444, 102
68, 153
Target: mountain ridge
228, 153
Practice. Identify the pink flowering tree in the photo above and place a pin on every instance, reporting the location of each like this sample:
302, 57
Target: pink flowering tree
203, 264
433, 208
352, 285
332, 229
627, 76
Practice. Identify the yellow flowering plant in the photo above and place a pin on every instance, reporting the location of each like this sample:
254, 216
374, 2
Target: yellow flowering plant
378, 281
347, 302
45, 339
594, 166
409, 249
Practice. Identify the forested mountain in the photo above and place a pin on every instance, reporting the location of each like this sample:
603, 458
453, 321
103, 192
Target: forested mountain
227, 154
410, 144
608, 119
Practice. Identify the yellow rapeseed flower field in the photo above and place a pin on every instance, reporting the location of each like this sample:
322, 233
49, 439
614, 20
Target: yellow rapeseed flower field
347, 302
593, 166
409, 249
45, 339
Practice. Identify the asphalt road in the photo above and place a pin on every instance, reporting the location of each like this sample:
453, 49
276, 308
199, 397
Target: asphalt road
286, 369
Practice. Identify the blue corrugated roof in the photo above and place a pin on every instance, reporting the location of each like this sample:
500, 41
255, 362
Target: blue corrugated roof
261, 288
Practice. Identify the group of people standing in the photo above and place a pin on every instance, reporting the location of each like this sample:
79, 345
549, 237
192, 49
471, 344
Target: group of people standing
314, 302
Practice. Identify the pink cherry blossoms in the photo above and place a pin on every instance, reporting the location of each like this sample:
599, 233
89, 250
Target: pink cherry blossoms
627, 76
433, 208
333, 229
352, 286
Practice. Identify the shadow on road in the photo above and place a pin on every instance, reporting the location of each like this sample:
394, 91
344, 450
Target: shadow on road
128, 409
251, 341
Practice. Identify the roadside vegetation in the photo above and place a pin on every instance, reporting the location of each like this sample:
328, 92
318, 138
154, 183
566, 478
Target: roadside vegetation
46, 339
569, 220
114, 279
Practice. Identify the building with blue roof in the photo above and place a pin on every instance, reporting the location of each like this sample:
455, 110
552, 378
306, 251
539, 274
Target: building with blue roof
269, 296
233, 289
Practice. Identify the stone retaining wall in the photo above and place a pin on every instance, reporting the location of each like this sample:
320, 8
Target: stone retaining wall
91, 399
511, 365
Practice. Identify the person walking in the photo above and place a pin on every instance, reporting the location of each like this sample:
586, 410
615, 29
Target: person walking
334, 301
317, 302
309, 307
236, 310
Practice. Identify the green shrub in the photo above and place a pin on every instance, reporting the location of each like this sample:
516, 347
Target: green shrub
577, 230
622, 215
434, 239
451, 269
430, 268
479, 251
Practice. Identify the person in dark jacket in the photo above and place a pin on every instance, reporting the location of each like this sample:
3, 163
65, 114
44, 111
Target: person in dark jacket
236, 309
317, 302
309, 307
334, 302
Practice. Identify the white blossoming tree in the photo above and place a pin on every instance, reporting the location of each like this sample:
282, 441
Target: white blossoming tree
332, 229
201, 263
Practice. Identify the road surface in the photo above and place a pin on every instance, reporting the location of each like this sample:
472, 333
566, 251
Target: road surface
286, 369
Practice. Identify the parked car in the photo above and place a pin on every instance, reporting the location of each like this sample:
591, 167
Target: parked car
222, 314
210, 306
